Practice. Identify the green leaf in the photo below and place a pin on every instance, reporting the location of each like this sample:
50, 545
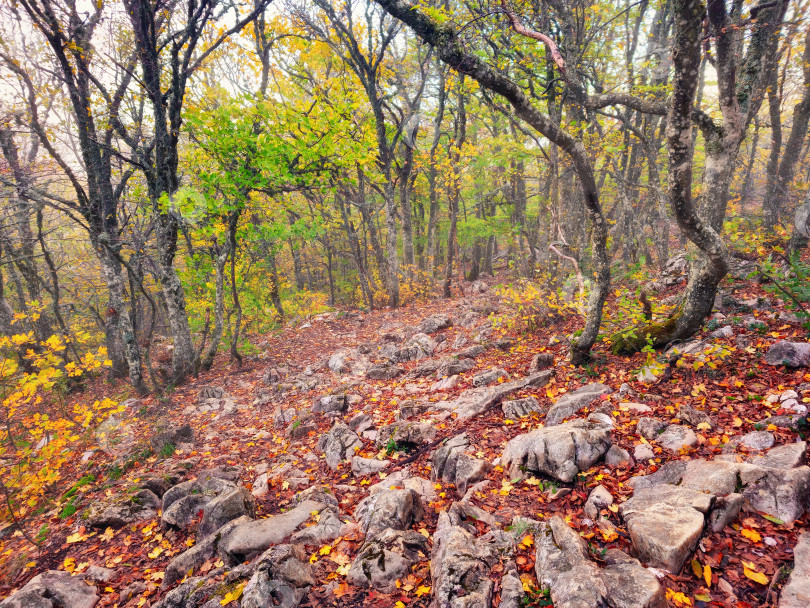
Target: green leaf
775, 520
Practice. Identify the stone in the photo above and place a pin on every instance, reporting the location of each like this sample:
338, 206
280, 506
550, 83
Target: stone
420, 346
665, 523
540, 362
434, 323
571, 403
725, 511
403, 479
196, 555
171, 436
475, 401
280, 579
384, 372
248, 539
325, 531
460, 567
426, 368
330, 404
182, 502
676, 438
723, 332
361, 422
789, 354
648, 374
782, 493
121, 511
478, 287
796, 593
338, 444
560, 451
629, 584
406, 433
636, 408
452, 465
53, 589
643, 452
694, 416
210, 392
787, 456
300, 427
650, 428
397, 509
224, 508
283, 416
518, 408
471, 352
130, 591
99, 574
453, 366
387, 557
598, 499
617, 457
411, 408
489, 377
757, 440
337, 362
469, 470
260, 486
445, 384
368, 466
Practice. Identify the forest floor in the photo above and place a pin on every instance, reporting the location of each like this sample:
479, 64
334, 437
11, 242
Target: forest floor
744, 564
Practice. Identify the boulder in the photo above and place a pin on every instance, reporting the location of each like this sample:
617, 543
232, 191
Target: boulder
665, 523
452, 465
650, 428
787, 456
540, 362
248, 539
183, 502
598, 499
571, 403
796, 594
387, 557
53, 589
694, 416
676, 438
397, 509
489, 377
384, 372
460, 567
330, 404
560, 451
368, 466
789, 354
474, 401
471, 352
434, 323
224, 508
119, 512
562, 565
337, 362
643, 452
406, 433
338, 444
281, 579
757, 441
171, 436
518, 408
453, 366
210, 392
617, 457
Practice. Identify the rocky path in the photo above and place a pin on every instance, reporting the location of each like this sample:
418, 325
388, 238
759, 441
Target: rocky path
395, 460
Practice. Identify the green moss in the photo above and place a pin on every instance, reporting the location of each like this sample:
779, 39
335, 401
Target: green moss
630, 341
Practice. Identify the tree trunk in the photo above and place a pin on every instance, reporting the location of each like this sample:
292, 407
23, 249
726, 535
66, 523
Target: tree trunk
220, 258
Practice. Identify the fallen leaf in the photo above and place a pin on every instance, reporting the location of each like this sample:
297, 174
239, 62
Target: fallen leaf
751, 535
757, 577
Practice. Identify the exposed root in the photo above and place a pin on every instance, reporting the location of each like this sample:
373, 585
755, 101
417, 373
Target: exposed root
630, 341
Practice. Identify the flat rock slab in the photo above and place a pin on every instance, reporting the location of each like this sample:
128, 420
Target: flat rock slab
386, 558
53, 589
665, 524
560, 451
796, 594
406, 433
474, 401
790, 354
396, 509
518, 408
252, 538
571, 403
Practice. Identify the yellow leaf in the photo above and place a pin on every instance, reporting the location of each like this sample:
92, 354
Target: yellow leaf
108, 534
751, 535
528, 541
737, 421
76, 538
422, 591
707, 575
325, 550
757, 577
399, 605
154, 553
227, 599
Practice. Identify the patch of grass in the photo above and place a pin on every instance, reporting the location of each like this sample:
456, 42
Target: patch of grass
42, 535
167, 450
69, 510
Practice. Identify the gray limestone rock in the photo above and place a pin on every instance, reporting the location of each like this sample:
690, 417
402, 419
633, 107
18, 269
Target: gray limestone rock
224, 508
518, 408
386, 557
643, 452
338, 444
397, 509
790, 354
280, 579
368, 466
171, 436
796, 594
251, 538
665, 523
650, 428
120, 511
474, 401
787, 456
434, 323
53, 589
571, 403
330, 404
182, 502
629, 584
693, 416
676, 438
617, 457
541, 361
598, 499
489, 377
452, 366
406, 433
384, 372
559, 451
